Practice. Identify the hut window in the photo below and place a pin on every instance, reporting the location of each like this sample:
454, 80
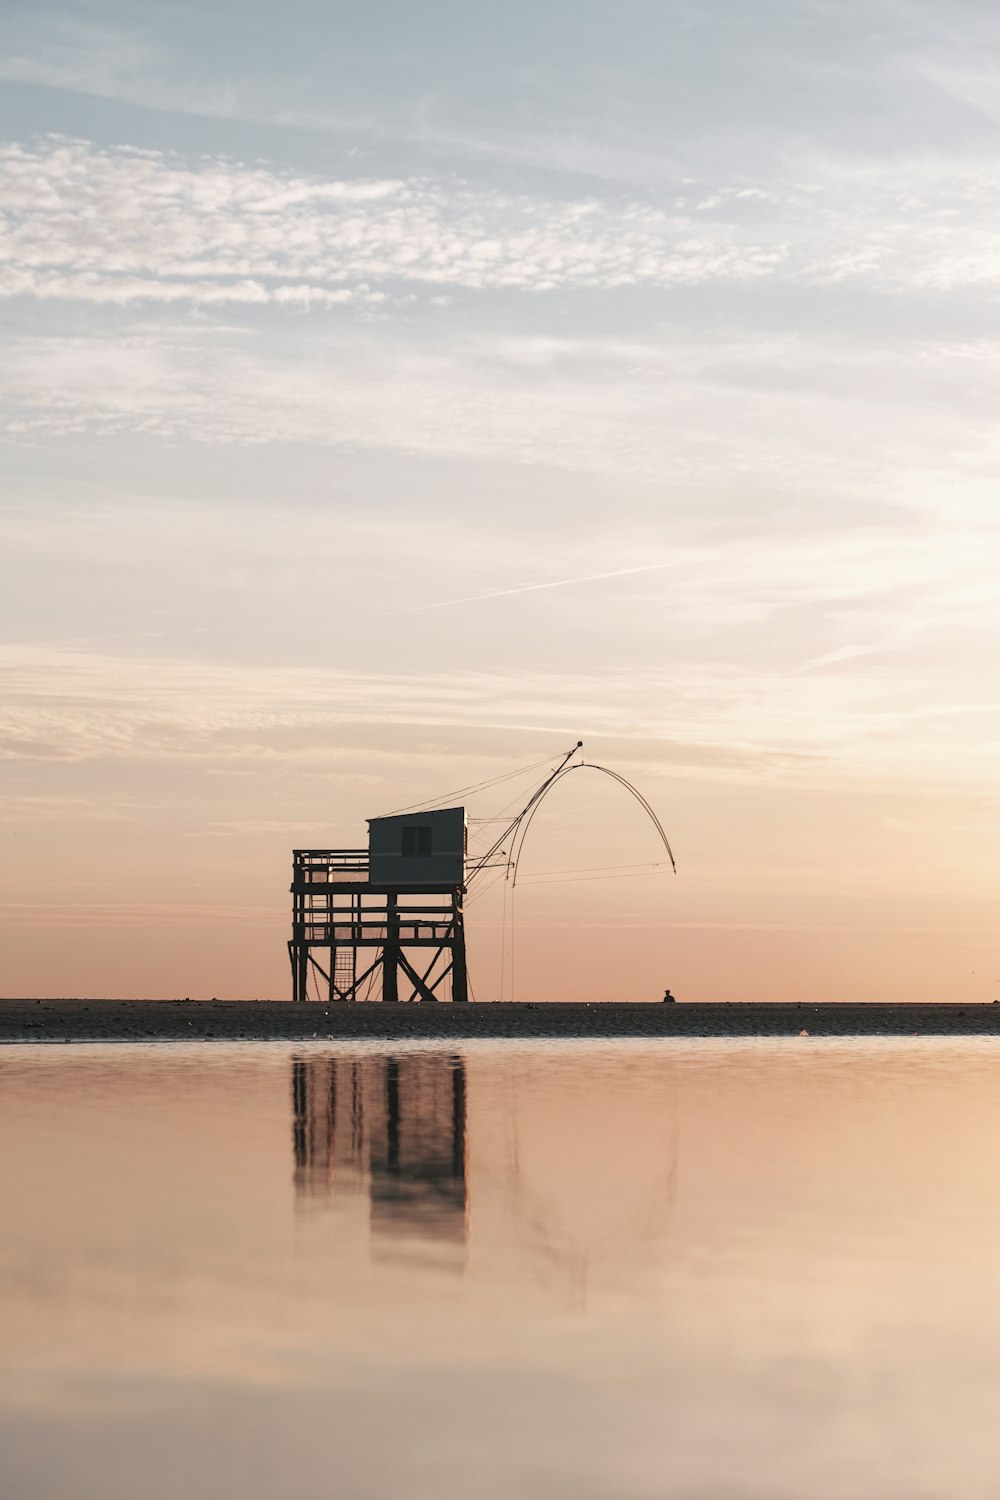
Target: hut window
416, 841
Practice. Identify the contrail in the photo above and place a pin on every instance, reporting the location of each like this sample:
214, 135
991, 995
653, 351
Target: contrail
843, 653
531, 588
892, 641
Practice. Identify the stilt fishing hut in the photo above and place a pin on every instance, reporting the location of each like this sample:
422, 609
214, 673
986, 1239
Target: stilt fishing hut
387, 922
370, 922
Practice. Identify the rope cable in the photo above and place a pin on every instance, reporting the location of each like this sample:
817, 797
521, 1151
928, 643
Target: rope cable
532, 802
503, 935
501, 817
481, 890
513, 935
650, 864
479, 786
579, 879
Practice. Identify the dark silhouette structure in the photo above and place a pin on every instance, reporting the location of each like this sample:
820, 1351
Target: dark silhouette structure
360, 917
387, 922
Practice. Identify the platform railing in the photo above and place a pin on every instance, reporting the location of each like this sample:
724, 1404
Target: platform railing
328, 866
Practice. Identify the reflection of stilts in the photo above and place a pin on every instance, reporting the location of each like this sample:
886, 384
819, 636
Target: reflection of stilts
417, 1155
395, 1126
314, 1132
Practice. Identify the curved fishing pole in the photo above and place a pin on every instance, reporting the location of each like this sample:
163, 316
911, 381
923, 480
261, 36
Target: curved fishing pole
523, 822
511, 829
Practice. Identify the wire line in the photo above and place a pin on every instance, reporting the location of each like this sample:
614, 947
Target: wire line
579, 879
649, 864
479, 786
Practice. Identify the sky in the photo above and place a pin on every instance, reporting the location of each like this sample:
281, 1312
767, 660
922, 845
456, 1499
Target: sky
395, 394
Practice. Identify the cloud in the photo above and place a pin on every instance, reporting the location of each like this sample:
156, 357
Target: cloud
121, 226
822, 426
124, 225
81, 706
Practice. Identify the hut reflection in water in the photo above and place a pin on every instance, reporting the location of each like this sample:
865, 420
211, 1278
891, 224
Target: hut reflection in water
392, 1129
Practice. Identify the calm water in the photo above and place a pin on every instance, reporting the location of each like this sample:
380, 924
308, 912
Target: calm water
710, 1271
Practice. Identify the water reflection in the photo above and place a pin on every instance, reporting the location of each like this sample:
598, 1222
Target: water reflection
714, 1270
392, 1129
566, 1199
573, 1173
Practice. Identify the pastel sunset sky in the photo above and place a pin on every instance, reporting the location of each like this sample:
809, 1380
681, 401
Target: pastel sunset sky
395, 393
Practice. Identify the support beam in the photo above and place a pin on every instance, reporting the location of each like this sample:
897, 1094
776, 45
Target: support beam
460, 973
421, 989
391, 953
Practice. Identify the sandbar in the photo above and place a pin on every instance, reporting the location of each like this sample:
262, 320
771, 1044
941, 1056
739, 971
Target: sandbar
96, 1020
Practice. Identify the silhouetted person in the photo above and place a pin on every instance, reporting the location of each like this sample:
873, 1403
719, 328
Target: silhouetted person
668, 998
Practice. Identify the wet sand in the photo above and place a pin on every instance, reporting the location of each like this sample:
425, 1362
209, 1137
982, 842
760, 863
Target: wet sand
264, 1020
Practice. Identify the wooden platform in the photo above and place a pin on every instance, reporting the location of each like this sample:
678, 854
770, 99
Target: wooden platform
264, 1020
